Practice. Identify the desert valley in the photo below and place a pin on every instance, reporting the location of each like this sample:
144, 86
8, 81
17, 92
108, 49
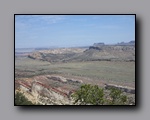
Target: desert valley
49, 76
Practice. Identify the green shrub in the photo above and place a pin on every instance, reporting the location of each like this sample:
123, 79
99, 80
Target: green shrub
89, 95
93, 95
20, 99
117, 98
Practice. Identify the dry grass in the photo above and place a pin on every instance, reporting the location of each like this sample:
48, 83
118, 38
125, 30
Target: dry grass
119, 72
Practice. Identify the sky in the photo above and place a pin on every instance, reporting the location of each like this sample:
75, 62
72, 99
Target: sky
32, 31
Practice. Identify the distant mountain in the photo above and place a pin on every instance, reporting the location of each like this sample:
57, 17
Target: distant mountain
132, 42
127, 43
98, 44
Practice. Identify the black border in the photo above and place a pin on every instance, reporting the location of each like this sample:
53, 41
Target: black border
54, 107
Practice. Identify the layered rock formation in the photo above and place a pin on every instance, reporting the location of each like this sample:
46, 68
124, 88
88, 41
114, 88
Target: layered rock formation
41, 89
97, 52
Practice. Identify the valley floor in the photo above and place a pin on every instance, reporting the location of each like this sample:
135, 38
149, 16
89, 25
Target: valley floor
53, 83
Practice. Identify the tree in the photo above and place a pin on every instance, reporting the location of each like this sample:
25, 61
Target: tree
117, 98
89, 95
93, 95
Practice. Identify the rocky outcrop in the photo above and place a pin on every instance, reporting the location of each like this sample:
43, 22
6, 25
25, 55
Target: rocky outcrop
36, 55
58, 78
122, 88
41, 93
52, 95
74, 81
95, 47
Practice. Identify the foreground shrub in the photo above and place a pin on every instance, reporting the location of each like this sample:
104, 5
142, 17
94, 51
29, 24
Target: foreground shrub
93, 95
117, 98
88, 94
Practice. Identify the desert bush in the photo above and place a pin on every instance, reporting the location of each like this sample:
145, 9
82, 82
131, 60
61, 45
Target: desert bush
89, 95
93, 95
117, 97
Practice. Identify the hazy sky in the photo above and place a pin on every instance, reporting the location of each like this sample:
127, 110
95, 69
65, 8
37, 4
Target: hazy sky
72, 30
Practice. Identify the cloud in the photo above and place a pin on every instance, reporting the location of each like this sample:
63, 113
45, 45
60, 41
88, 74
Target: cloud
25, 24
49, 19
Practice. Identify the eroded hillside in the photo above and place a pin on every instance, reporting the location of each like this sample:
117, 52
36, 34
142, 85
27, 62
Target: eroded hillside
93, 53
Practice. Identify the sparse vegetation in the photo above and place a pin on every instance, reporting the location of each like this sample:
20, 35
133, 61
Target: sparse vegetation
20, 99
119, 72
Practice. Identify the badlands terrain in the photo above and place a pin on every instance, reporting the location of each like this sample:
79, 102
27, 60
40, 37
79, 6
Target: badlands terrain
50, 76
